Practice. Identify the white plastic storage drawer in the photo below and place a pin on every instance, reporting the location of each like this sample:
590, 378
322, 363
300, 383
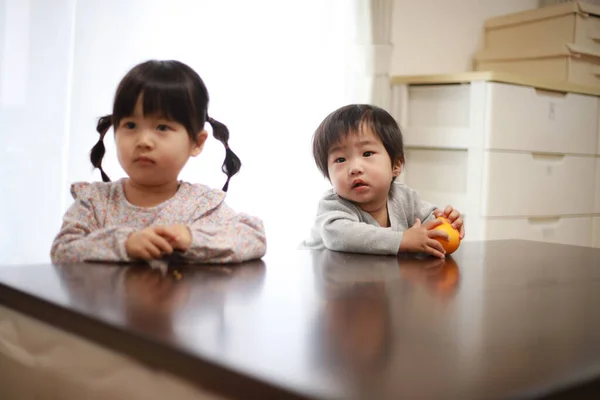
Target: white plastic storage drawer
598, 139
530, 184
596, 233
439, 176
565, 230
597, 186
525, 118
437, 115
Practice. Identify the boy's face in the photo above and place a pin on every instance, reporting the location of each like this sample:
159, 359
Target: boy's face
360, 169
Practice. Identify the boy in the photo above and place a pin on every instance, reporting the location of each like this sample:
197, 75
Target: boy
359, 148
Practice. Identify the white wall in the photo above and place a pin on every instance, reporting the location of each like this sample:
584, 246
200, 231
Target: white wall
441, 36
35, 53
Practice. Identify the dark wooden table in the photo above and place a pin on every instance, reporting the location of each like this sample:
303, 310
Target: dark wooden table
504, 319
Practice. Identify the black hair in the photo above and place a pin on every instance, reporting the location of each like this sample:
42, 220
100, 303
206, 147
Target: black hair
349, 119
170, 88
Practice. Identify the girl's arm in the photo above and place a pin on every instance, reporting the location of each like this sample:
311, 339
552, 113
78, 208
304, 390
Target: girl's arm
223, 236
81, 238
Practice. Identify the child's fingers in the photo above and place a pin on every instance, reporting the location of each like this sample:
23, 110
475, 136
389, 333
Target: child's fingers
448, 210
456, 224
165, 231
417, 223
454, 215
161, 244
436, 245
145, 252
152, 251
434, 233
432, 223
462, 231
437, 212
435, 248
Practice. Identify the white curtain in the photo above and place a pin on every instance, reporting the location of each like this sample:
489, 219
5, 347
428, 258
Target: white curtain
274, 70
374, 54
35, 57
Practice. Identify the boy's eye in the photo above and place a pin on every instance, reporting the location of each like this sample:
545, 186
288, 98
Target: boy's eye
368, 153
129, 125
163, 127
339, 160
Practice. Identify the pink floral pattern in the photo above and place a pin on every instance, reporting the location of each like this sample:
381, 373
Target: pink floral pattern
98, 223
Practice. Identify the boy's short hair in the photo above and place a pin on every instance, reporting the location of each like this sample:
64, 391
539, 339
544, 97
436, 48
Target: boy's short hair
349, 119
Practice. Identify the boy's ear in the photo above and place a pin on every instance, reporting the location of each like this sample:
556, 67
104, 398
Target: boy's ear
198, 145
397, 168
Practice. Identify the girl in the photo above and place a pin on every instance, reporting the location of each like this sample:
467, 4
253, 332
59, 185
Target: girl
359, 148
159, 113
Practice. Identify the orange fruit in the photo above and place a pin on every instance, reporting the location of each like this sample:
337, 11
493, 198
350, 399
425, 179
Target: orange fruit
453, 241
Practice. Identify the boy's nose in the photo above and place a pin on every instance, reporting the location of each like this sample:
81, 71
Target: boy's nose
355, 169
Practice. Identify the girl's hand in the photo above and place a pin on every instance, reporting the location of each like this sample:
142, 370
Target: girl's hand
421, 238
148, 244
454, 217
179, 236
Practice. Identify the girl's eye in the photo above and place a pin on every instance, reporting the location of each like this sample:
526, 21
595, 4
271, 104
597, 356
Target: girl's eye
162, 128
368, 153
129, 125
339, 160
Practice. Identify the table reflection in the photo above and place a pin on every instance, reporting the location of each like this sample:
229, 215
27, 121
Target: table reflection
358, 312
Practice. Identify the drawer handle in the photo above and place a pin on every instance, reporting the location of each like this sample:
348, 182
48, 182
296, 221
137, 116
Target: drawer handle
594, 35
556, 157
549, 93
543, 220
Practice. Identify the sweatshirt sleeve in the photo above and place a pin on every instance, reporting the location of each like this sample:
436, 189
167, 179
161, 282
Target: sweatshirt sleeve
342, 230
423, 210
82, 239
223, 236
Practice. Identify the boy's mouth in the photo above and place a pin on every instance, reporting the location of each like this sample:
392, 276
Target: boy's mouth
358, 183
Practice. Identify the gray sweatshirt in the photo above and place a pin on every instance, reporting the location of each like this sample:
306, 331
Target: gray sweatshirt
342, 226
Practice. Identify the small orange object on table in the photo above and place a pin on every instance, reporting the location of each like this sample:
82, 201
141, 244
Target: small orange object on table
453, 236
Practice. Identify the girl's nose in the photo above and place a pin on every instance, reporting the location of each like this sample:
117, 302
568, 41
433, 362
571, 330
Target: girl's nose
145, 140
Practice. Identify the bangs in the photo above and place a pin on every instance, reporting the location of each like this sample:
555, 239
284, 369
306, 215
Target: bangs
164, 93
350, 121
338, 125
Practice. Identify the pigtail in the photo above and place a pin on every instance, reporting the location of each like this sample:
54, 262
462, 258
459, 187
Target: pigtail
232, 163
97, 153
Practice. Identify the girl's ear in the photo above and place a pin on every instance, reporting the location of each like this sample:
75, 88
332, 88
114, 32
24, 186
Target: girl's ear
198, 145
397, 168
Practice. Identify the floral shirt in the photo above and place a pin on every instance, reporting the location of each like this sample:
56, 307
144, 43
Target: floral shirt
98, 223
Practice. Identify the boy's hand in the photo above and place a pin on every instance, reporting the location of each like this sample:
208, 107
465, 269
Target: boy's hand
421, 238
454, 217
179, 236
147, 244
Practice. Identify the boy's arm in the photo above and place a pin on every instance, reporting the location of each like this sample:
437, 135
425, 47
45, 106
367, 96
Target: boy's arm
424, 210
341, 230
420, 209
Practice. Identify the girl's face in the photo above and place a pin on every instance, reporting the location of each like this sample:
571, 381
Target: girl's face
152, 149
